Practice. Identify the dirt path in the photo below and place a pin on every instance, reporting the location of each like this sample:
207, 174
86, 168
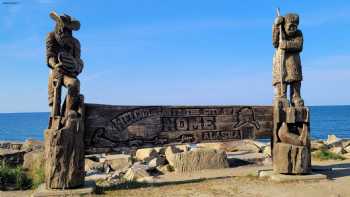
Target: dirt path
337, 186
240, 183
243, 187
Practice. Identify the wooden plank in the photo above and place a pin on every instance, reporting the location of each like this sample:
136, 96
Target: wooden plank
108, 126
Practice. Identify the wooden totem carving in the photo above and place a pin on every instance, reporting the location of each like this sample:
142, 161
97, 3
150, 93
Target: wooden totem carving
291, 132
64, 147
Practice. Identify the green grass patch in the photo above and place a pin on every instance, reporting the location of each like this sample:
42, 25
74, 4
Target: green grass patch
16, 178
13, 178
252, 174
326, 155
37, 177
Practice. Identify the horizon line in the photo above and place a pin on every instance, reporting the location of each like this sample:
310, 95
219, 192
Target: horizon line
27, 112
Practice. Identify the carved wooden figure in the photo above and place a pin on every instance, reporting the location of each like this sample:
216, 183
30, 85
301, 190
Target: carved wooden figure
291, 128
288, 41
64, 147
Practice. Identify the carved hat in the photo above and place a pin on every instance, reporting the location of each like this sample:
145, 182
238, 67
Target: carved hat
292, 18
66, 21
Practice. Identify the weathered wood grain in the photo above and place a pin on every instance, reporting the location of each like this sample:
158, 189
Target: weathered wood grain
109, 127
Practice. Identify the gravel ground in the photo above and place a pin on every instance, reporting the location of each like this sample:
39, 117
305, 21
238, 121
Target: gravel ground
238, 182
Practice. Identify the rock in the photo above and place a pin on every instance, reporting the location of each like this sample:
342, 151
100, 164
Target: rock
252, 145
92, 172
96, 176
332, 139
33, 160
5, 145
243, 158
267, 161
119, 162
155, 162
260, 145
13, 145
16, 146
347, 149
241, 145
248, 147
291, 159
165, 169
11, 157
345, 143
199, 160
318, 145
212, 145
346, 155
140, 165
183, 147
136, 172
94, 165
170, 152
160, 150
32, 145
267, 151
146, 154
118, 173
337, 150
149, 179
96, 157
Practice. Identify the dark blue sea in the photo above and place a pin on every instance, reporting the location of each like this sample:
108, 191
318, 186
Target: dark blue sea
325, 120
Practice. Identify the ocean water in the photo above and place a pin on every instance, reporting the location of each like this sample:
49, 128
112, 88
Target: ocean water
21, 126
325, 120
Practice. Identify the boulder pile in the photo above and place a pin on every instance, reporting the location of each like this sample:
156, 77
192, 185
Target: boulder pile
20, 153
332, 144
144, 165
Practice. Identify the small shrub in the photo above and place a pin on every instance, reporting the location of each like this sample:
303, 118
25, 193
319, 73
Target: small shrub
252, 174
170, 168
34, 167
14, 178
326, 155
38, 177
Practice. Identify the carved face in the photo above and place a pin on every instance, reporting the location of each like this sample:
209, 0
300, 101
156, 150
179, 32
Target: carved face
291, 24
290, 28
62, 33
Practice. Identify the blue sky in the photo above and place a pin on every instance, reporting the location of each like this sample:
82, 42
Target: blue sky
180, 52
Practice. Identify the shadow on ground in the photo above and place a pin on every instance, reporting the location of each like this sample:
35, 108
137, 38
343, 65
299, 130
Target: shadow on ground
334, 171
136, 185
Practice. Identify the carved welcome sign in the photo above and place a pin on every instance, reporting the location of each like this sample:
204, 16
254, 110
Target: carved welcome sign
116, 127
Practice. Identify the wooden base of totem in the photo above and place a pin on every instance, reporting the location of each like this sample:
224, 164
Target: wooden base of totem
87, 190
64, 156
291, 159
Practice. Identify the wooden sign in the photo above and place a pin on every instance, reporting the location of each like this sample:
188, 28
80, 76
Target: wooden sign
116, 127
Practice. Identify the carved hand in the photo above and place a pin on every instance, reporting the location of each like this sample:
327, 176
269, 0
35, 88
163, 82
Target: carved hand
58, 66
282, 44
58, 73
279, 20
